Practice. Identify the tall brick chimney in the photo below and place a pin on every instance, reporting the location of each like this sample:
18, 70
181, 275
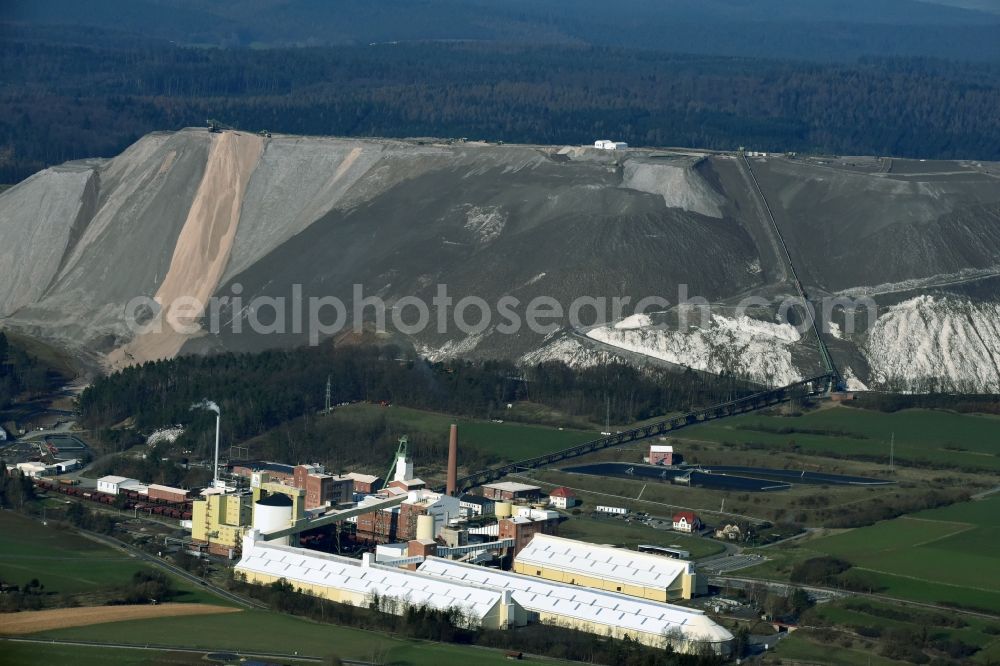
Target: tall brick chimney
452, 460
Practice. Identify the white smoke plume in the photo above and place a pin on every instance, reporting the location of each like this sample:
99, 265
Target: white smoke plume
206, 404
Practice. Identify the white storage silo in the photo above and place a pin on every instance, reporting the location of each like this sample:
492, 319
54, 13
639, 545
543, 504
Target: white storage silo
503, 509
271, 513
425, 527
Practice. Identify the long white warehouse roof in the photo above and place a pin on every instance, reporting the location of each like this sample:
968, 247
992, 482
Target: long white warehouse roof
617, 564
320, 569
609, 608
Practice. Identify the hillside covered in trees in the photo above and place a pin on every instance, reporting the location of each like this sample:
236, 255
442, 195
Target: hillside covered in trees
259, 393
74, 93
20, 373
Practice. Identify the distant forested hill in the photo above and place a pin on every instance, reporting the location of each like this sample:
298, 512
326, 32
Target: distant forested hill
800, 29
70, 93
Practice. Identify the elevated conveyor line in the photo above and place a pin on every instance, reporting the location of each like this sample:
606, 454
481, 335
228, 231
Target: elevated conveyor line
824, 352
334, 517
812, 386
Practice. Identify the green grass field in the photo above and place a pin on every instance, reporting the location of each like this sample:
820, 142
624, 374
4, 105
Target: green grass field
940, 556
921, 436
630, 535
67, 563
273, 632
846, 613
798, 648
509, 440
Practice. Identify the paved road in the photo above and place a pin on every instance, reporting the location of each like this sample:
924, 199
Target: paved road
177, 648
830, 593
725, 564
175, 570
820, 594
986, 493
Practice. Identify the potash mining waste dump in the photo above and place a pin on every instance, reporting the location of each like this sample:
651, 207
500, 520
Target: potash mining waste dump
193, 213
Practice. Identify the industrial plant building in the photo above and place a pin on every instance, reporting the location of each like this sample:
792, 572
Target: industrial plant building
364, 483
528, 522
358, 583
511, 491
113, 484
166, 493
218, 522
399, 523
476, 505
594, 611
488, 598
606, 568
661, 454
276, 471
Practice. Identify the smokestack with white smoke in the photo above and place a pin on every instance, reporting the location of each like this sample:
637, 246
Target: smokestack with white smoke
206, 404
212, 407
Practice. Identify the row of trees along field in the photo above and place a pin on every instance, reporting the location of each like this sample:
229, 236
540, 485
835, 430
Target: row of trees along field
64, 100
386, 616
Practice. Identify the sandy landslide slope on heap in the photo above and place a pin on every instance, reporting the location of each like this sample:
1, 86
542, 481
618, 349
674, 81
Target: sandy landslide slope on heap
202, 250
125, 228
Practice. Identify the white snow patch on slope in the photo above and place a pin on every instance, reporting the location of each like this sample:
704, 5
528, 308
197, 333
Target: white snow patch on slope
485, 221
452, 348
833, 328
942, 344
566, 350
679, 185
534, 279
635, 321
756, 327
164, 435
744, 346
851, 380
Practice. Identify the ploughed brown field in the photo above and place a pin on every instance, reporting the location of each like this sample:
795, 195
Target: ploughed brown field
30, 622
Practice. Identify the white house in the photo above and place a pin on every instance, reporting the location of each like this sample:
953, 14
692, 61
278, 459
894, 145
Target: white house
562, 498
112, 484
605, 144
687, 521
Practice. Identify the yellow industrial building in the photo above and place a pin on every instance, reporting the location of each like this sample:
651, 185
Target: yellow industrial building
641, 575
595, 611
488, 598
220, 520
348, 581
